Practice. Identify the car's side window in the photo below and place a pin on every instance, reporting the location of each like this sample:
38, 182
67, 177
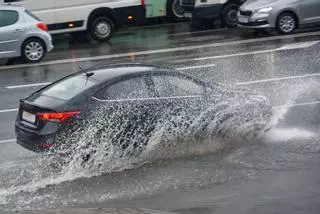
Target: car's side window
8, 17
134, 88
176, 86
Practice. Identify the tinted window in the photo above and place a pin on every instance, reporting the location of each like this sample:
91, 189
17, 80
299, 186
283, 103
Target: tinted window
172, 86
68, 88
128, 89
8, 17
32, 15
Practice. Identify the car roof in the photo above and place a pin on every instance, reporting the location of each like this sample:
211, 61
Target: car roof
108, 72
11, 7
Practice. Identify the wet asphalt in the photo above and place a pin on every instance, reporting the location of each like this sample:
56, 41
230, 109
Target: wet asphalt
278, 173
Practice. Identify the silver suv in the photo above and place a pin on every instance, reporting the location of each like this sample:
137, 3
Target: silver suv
283, 15
22, 35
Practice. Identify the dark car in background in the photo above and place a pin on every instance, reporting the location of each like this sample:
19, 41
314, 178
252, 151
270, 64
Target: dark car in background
124, 103
206, 12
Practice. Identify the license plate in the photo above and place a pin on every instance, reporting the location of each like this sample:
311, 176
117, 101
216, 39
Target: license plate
28, 117
188, 15
243, 20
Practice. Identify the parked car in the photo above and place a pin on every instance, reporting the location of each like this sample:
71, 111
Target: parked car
203, 12
22, 35
283, 15
96, 18
123, 105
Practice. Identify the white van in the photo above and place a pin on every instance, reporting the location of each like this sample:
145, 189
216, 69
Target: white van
98, 18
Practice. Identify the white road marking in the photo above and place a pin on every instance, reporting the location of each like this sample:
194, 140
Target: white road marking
195, 32
165, 50
196, 66
234, 55
174, 34
278, 79
297, 105
8, 141
8, 110
28, 85
193, 67
47, 83
298, 45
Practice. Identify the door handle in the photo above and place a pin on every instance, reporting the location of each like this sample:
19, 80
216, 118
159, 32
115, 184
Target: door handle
17, 30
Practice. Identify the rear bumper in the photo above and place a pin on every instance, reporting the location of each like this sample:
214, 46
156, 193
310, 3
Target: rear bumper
33, 141
48, 40
50, 47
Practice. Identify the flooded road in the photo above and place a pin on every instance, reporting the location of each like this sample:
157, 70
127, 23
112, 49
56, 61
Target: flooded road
275, 173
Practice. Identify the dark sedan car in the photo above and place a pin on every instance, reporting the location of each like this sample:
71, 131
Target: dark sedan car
126, 105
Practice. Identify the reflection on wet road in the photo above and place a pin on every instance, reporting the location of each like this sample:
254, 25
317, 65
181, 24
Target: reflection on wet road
277, 173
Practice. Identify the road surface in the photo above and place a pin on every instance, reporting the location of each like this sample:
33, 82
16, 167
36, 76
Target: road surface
277, 173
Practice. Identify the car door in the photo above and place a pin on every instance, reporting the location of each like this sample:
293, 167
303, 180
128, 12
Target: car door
182, 100
10, 33
309, 11
126, 113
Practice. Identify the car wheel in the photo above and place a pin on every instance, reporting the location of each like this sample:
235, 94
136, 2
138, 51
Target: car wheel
101, 29
286, 23
33, 50
229, 14
174, 10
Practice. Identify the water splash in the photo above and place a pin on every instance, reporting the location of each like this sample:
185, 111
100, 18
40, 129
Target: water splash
113, 143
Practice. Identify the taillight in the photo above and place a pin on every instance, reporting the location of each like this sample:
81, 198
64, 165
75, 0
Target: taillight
42, 26
142, 2
45, 145
58, 117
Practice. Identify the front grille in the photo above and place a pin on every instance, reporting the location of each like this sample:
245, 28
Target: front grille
246, 13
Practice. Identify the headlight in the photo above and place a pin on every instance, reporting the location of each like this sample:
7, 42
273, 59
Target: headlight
264, 10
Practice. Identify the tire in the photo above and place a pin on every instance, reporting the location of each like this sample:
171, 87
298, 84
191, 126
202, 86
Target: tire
229, 15
33, 50
101, 29
287, 23
174, 10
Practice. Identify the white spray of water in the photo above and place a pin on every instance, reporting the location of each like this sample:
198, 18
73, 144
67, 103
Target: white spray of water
217, 127
178, 133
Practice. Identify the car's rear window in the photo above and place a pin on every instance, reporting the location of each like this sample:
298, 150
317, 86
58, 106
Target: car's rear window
69, 87
32, 15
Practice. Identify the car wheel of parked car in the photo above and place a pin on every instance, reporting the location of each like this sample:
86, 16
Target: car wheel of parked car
229, 14
286, 23
174, 10
33, 50
101, 29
